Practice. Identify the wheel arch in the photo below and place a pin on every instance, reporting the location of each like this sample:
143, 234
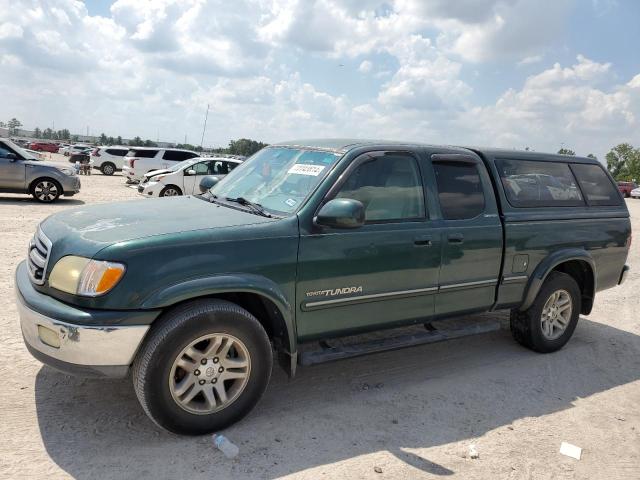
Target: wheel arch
577, 263
258, 295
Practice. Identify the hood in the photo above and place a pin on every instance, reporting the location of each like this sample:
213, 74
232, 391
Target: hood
86, 230
42, 163
157, 172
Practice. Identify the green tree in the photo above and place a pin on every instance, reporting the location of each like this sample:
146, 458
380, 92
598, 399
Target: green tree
591, 155
47, 134
566, 151
75, 138
136, 142
65, 134
103, 139
623, 161
119, 140
245, 146
37, 133
14, 125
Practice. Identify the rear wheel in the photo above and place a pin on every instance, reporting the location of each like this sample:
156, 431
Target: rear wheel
108, 168
170, 191
203, 368
46, 190
548, 324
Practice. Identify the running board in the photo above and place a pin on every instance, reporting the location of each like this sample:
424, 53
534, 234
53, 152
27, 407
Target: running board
337, 350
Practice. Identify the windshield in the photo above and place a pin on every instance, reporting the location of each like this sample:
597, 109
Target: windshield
278, 178
20, 151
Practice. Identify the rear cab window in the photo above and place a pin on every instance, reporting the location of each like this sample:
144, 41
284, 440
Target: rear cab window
538, 183
460, 190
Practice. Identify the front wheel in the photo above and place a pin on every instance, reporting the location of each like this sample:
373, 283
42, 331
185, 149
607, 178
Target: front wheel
548, 324
170, 191
203, 368
46, 190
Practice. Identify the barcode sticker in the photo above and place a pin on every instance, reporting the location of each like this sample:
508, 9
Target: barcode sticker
306, 169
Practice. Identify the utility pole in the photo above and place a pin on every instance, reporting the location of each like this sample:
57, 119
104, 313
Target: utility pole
206, 116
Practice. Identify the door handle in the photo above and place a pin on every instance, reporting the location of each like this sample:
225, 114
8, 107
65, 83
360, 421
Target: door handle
422, 241
455, 238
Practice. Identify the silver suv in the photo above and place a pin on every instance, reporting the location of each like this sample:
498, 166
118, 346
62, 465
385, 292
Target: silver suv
21, 172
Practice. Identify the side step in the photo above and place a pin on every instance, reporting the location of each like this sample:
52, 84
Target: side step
339, 349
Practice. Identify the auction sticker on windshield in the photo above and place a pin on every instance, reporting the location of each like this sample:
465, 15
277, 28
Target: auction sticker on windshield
306, 169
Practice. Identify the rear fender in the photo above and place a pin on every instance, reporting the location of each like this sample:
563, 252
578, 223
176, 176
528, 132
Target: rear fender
546, 266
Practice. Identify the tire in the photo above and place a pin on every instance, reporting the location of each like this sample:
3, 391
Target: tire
46, 190
527, 327
155, 372
170, 191
108, 168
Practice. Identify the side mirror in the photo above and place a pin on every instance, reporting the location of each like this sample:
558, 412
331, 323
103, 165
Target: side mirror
190, 172
341, 213
12, 156
208, 182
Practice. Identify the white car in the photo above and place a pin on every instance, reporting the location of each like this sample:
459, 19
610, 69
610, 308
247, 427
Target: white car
635, 193
70, 150
184, 178
109, 159
141, 160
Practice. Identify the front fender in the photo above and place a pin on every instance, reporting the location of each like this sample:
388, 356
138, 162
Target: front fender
227, 283
548, 264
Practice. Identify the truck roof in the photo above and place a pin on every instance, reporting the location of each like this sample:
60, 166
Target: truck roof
343, 145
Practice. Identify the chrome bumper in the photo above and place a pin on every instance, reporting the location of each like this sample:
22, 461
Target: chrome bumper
102, 350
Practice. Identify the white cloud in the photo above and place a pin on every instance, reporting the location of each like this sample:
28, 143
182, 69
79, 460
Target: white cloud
156, 65
365, 66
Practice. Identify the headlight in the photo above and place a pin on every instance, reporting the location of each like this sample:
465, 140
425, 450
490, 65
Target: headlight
67, 171
157, 178
86, 277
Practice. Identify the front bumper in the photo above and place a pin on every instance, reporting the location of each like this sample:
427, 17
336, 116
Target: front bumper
623, 275
150, 189
70, 185
79, 349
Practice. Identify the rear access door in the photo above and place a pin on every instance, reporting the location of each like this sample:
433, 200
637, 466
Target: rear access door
472, 240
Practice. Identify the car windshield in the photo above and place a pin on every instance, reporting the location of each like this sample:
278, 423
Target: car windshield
21, 151
278, 178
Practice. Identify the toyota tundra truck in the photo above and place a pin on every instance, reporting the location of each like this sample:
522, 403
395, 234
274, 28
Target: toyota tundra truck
308, 241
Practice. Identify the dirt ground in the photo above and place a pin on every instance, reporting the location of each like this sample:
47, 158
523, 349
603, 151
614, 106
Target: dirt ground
409, 413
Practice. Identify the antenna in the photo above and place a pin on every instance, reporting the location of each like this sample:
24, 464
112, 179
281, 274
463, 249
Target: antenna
206, 116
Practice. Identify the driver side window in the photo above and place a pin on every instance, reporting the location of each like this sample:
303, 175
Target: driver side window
4, 152
389, 187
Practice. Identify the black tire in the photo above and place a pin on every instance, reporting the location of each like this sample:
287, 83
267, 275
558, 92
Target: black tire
526, 326
45, 184
176, 329
166, 191
108, 168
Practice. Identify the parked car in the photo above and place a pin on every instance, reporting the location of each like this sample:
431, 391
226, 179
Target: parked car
75, 149
306, 241
21, 172
43, 147
184, 178
626, 187
140, 160
109, 159
635, 193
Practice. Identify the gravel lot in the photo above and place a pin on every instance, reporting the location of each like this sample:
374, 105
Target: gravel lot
411, 413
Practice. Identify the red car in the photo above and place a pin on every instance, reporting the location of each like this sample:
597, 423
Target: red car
626, 187
44, 147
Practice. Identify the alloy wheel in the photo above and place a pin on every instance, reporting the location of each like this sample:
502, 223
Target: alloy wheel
46, 191
556, 314
210, 373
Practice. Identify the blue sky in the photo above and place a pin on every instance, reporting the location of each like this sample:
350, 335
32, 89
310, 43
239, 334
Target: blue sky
509, 73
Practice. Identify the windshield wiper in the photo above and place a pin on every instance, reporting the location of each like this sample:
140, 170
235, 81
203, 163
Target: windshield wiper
255, 207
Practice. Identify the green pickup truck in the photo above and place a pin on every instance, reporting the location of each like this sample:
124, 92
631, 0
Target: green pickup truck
308, 241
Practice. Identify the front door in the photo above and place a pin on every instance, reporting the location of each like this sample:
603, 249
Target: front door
472, 234
12, 171
384, 273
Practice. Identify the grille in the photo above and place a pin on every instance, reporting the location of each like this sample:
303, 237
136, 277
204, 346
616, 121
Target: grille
38, 256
